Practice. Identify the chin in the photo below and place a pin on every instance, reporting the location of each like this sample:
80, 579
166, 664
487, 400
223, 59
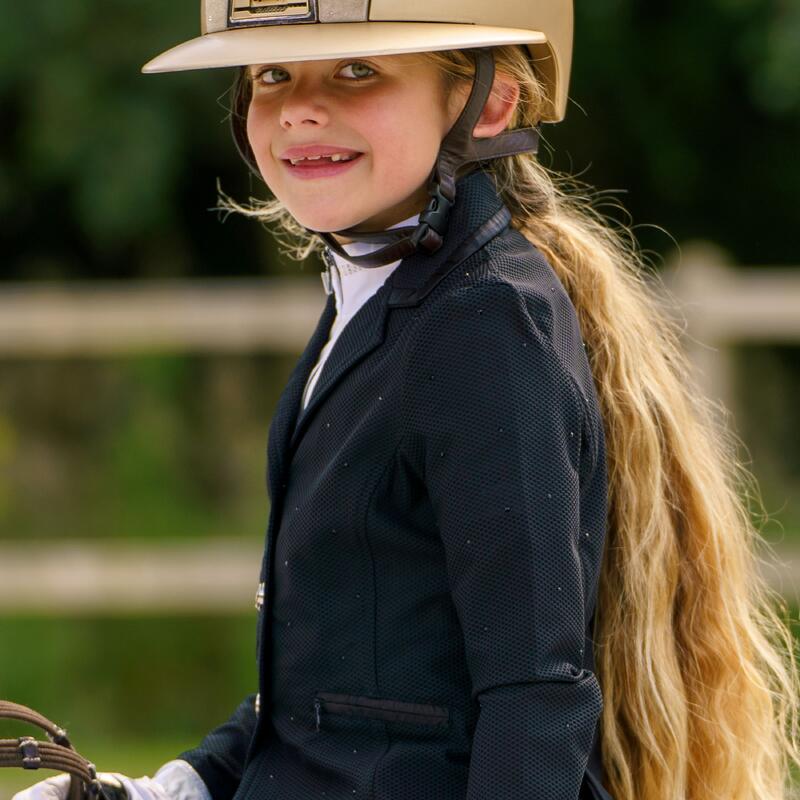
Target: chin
325, 223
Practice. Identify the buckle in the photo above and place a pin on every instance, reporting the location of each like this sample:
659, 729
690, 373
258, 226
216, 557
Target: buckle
419, 234
260, 592
325, 275
29, 749
437, 212
426, 238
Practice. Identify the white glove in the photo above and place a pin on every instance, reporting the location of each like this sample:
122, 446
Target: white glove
57, 788
175, 780
182, 781
54, 788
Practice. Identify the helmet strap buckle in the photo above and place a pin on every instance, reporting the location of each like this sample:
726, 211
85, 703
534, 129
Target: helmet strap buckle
438, 210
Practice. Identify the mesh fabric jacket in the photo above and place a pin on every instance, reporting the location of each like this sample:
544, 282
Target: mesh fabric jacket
352, 286
434, 542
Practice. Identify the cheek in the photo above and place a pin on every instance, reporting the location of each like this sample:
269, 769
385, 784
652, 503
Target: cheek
261, 125
405, 137
255, 128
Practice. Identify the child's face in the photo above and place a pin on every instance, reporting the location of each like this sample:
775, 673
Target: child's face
390, 109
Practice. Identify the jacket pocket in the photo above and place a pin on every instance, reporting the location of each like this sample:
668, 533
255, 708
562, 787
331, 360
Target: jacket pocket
379, 708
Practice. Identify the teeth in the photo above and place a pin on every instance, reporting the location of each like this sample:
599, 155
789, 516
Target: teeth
333, 157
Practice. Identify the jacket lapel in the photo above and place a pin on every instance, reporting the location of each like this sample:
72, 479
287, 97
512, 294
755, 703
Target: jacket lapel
362, 334
283, 420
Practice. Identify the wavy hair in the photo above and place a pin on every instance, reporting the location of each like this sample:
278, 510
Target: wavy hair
694, 652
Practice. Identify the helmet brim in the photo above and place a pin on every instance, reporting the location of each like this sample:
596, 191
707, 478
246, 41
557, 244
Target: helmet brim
312, 42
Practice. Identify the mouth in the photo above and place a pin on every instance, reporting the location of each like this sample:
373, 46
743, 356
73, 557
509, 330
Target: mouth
321, 166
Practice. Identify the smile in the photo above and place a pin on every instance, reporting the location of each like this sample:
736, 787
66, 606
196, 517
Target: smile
321, 166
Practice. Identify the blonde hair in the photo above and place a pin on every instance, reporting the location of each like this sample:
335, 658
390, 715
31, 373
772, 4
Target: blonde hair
696, 666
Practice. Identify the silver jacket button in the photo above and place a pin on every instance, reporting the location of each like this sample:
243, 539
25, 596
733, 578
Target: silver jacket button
258, 703
327, 259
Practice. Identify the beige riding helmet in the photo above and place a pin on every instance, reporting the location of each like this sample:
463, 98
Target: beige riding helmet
240, 32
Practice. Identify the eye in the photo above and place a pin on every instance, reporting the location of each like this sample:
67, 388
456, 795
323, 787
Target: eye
281, 75
358, 70
260, 76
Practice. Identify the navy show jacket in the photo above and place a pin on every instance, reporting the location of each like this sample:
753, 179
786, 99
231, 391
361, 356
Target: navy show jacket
437, 522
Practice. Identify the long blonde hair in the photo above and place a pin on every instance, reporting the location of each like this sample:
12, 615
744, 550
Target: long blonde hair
696, 665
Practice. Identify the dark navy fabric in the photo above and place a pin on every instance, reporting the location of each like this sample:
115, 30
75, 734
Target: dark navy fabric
436, 531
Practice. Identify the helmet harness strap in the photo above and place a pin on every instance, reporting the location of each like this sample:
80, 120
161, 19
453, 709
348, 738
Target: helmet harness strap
458, 149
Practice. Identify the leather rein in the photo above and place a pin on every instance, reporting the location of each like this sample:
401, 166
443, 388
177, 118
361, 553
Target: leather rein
57, 753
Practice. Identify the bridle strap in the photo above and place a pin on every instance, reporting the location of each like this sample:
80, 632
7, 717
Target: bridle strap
58, 753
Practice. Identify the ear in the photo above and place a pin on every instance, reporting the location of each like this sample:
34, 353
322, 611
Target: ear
499, 107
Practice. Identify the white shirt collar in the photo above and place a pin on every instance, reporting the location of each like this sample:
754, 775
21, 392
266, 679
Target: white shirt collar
352, 284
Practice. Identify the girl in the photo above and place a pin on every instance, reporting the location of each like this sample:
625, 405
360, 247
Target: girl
506, 555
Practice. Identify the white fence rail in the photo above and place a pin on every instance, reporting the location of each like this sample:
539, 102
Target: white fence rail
724, 306
216, 576
109, 319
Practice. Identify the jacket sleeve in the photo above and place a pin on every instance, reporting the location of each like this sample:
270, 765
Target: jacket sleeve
498, 426
219, 758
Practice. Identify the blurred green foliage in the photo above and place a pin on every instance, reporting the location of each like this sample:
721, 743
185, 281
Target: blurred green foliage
695, 111
147, 446
127, 676
131, 692
767, 385
692, 112
105, 171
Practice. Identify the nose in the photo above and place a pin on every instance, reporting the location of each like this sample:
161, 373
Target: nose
301, 106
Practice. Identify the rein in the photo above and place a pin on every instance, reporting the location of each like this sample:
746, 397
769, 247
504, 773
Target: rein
57, 753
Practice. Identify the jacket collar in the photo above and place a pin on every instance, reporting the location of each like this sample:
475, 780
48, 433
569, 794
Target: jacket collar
477, 216
476, 205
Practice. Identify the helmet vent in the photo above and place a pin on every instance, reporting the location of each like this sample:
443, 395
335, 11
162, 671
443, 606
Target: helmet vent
265, 12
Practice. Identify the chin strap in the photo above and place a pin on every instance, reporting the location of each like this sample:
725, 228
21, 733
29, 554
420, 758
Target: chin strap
459, 148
